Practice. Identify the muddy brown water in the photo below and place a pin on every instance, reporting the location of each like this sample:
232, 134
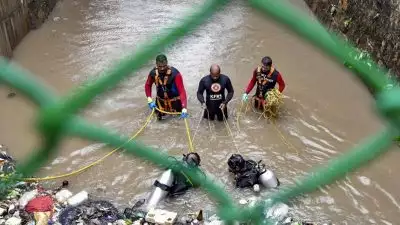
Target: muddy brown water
326, 110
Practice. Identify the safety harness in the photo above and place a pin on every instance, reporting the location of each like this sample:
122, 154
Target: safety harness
163, 84
261, 82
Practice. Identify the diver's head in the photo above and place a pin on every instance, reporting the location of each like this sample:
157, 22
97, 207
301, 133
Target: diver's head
215, 71
192, 159
162, 63
236, 163
266, 63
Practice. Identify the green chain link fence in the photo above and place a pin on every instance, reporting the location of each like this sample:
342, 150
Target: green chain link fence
58, 117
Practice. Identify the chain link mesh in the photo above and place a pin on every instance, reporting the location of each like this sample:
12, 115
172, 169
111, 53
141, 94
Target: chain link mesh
58, 117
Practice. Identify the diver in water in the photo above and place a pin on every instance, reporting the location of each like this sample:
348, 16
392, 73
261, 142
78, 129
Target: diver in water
173, 183
249, 173
216, 102
182, 183
266, 77
171, 93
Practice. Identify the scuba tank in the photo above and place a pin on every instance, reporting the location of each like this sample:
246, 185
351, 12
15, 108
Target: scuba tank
268, 179
166, 183
161, 191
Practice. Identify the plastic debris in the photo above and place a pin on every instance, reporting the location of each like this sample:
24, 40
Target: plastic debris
78, 198
120, 222
30, 204
63, 195
161, 217
26, 197
256, 188
40, 204
97, 212
3, 211
243, 201
13, 221
278, 211
42, 218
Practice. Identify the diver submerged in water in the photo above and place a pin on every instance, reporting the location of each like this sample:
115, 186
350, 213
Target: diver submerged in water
173, 183
249, 173
182, 183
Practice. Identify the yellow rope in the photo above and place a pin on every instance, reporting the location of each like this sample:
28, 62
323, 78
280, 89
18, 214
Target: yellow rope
187, 178
191, 149
95, 162
238, 116
197, 127
275, 99
229, 130
169, 113
284, 140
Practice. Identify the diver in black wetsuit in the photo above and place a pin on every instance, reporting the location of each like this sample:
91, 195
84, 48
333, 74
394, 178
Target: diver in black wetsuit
215, 85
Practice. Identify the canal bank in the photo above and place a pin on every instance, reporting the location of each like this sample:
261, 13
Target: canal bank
373, 26
17, 18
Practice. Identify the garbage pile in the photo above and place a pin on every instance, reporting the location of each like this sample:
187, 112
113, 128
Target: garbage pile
31, 204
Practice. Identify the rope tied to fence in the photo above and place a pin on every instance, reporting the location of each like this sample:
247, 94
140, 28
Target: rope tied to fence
58, 117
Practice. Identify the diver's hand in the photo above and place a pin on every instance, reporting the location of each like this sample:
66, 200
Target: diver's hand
184, 114
151, 103
245, 96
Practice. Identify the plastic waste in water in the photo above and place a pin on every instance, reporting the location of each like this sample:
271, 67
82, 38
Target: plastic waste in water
243, 202
13, 221
3, 211
256, 188
26, 197
278, 211
42, 218
161, 217
78, 198
120, 222
195, 222
63, 195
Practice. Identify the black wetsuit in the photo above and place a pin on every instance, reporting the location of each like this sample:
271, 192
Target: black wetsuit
215, 95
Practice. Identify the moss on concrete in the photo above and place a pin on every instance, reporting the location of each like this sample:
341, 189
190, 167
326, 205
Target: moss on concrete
39, 10
372, 25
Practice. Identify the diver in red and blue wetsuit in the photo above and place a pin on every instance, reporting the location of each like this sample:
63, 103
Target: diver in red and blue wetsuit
171, 94
266, 77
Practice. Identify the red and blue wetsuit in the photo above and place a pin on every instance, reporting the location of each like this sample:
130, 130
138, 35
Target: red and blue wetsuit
171, 94
266, 80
